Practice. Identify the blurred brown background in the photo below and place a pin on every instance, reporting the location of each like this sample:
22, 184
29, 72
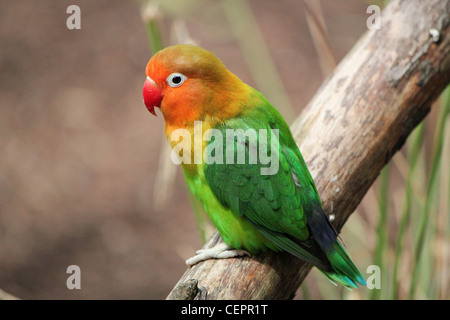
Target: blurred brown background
79, 151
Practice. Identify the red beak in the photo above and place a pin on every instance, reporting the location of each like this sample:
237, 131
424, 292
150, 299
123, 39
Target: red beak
152, 95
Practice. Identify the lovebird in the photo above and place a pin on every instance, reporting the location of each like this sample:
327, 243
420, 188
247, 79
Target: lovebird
240, 160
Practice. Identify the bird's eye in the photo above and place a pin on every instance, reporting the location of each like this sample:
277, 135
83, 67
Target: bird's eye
176, 79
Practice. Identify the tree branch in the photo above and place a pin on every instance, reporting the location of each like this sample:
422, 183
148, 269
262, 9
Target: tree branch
352, 127
6, 296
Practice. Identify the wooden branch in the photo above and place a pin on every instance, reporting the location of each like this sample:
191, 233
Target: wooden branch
357, 120
6, 296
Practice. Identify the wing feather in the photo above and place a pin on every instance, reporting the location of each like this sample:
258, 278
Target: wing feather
272, 203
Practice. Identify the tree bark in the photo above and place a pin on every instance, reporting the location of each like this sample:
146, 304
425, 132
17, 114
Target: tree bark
352, 127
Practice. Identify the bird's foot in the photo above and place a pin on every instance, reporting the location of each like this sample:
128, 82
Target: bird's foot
220, 251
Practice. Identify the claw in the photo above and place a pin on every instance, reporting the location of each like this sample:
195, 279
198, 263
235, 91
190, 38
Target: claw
220, 251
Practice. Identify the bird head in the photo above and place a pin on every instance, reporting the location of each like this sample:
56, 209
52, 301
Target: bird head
189, 83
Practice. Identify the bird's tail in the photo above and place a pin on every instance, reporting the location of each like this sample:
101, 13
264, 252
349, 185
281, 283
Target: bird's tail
342, 268
344, 271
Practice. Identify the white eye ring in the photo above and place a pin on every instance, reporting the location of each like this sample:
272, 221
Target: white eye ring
176, 79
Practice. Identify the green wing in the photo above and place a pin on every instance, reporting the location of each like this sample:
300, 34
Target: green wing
273, 203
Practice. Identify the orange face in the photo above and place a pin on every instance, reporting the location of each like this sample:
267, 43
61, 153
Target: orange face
183, 81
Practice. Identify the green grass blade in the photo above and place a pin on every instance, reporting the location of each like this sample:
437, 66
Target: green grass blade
149, 13
415, 143
430, 196
442, 256
382, 227
256, 54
